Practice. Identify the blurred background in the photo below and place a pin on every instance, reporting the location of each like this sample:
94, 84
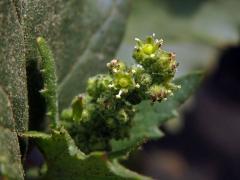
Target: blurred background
204, 142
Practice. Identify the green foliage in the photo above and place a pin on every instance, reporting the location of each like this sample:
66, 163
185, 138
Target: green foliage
66, 161
82, 34
107, 110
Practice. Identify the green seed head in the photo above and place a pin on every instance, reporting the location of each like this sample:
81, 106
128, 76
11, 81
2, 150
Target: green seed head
107, 110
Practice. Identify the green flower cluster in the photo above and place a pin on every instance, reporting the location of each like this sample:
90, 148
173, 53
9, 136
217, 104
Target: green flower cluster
106, 110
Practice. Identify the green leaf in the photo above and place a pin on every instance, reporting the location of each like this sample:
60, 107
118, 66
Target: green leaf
10, 158
66, 161
150, 117
83, 35
121, 171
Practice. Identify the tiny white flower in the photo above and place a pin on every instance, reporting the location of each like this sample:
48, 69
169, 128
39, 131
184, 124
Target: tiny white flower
110, 85
137, 39
137, 85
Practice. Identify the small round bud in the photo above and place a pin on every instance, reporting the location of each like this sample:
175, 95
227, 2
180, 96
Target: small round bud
122, 116
157, 93
85, 116
123, 80
67, 114
148, 49
98, 84
116, 66
145, 79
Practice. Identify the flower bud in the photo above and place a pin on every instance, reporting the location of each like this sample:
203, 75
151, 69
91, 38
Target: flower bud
98, 84
158, 93
148, 49
116, 66
66, 114
77, 107
146, 52
122, 116
123, 81
146, 79
86, 116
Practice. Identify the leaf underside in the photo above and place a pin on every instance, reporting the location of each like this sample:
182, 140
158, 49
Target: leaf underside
10, 158
13, 89
12, 62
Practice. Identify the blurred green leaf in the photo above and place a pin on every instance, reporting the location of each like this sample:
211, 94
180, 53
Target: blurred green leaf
196, 30
150, 117
66, 161
83, 35
201, 21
